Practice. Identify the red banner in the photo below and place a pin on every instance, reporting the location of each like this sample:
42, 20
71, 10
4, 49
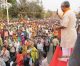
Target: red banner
55, 61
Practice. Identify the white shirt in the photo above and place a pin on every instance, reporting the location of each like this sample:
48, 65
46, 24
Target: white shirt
6, 55
2, 63
17, 44
11, 63
44, 62
11, 32
69, 34
40, 46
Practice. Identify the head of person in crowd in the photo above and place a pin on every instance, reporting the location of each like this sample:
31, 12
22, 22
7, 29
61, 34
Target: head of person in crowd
39, 40
31, 42
23, 29
6, 38
5, 42
22, 35
28, 53
44, 55
20, 43
4, 48
42, 40
32, 45
55, 37
65, 6
20, 51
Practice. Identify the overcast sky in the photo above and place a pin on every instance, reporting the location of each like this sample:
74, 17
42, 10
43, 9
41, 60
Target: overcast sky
55, 4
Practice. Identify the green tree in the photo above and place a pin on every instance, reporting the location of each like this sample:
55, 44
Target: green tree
30, 9
25, 8
11, 1
13, 11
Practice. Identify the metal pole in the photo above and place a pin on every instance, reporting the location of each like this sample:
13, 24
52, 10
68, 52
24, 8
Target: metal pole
7, 12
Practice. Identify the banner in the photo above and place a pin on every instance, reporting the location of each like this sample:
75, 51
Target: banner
55, 60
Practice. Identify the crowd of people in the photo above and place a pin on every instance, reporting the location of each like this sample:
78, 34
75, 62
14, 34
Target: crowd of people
33, 43
23, 44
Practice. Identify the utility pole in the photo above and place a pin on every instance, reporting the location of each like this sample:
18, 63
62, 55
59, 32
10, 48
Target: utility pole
7, 11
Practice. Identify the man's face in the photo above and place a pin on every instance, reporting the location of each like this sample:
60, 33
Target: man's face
63, 7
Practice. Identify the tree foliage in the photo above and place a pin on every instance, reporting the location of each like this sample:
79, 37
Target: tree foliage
11, 1
25, 8
30, 9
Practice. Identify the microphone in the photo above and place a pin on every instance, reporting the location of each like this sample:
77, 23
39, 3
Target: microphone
58, 14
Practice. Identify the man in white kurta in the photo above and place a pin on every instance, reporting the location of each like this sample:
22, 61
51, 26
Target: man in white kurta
69, 34
68, 29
